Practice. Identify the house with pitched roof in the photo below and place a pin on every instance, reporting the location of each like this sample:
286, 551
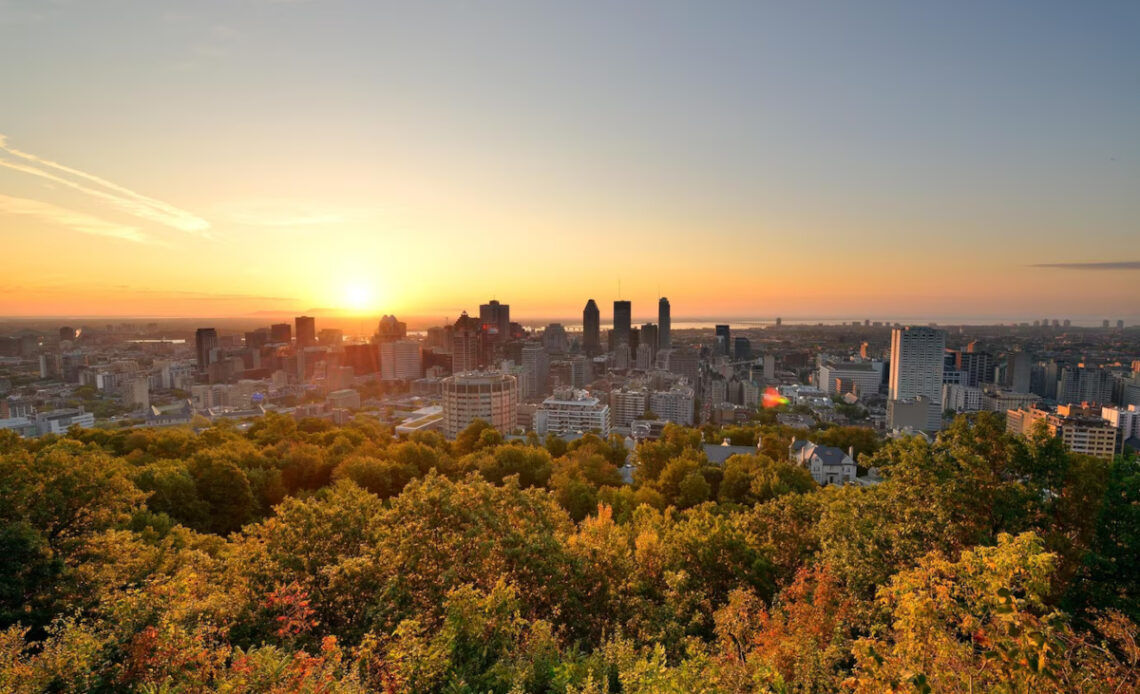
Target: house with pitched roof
827, 464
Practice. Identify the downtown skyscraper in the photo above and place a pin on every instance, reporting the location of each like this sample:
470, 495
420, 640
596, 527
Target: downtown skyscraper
306, 331
495, 321
591, 329
664, 325
623, 323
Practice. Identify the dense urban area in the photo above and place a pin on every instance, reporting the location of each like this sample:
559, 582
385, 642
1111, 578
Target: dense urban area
487, 507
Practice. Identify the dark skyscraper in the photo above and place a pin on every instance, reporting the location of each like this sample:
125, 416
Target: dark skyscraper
391, 329
591, 329
496, 321
205, 339
306, 329
466, 345
623, 322
664, 325
742, 349
650, 335
723, 339
281, 332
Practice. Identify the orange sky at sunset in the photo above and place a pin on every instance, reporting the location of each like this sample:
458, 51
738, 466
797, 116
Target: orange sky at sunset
229, 159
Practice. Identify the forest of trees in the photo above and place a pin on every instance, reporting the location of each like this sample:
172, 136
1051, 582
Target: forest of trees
303, 557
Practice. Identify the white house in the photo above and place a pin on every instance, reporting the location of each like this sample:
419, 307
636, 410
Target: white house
827, 464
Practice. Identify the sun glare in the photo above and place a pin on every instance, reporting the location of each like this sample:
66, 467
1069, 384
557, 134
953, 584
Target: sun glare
359, 297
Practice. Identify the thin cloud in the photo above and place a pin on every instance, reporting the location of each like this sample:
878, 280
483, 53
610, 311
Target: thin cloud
287, 213
78, 221
1113, 265
116, 195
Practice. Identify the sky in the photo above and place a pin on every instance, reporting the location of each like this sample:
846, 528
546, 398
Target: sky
798, 159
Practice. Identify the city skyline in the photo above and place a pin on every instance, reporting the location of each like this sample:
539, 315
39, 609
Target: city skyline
757, 160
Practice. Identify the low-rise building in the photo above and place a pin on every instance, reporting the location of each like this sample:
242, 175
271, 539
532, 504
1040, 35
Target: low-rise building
1080, 434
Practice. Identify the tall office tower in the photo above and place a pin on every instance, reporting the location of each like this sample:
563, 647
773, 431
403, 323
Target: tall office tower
391, 329
650, 337
723, 339
401, 360
466, 341
256, 339
742, 349
1104, 324
281, 332
664, 325
536, 367
591, 329
306, 329
1120, 325
1019, 370
623, 323
492, 397
917, 355
495, 320
205, 339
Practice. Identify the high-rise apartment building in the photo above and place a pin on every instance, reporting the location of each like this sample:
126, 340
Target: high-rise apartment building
664, 325
401, 360
306, 330
205, 340
917, 364
536, 368
674, 405
627, 404
623, 324
1084, 384
490, 396
591, 329
978, 366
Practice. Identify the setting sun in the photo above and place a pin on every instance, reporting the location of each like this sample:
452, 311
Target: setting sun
359, 297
